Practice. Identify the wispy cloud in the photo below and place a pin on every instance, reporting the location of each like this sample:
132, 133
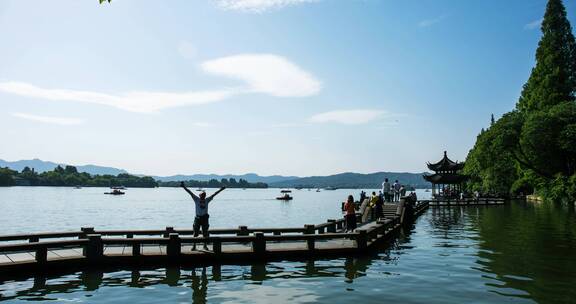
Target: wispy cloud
139, 101
260, 73
266, 73
534, 24
348, 117
258, 6
65, 121
431, 22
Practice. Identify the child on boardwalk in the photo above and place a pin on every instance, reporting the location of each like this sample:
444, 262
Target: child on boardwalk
201, 219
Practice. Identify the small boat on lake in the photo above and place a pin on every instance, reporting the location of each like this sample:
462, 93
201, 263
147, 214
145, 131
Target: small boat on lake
118, 188
115, 192
286, 196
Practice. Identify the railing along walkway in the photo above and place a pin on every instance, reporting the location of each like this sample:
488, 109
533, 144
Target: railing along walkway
90, 247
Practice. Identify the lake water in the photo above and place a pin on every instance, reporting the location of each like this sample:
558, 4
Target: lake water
518, 253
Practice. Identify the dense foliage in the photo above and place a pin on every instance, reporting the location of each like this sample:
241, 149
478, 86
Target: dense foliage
69, 176
533, 147
214, 183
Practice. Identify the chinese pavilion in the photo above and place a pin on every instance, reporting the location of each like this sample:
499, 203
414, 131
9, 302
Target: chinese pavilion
446, 180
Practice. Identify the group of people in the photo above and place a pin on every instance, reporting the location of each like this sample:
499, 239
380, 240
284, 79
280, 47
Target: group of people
389, 193
393, 192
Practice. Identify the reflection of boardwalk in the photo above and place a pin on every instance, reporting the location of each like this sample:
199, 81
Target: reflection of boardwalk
92, 248
465, 202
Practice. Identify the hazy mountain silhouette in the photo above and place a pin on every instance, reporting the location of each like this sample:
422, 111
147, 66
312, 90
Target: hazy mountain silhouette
43, 166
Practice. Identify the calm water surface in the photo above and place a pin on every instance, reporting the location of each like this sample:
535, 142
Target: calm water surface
519, 253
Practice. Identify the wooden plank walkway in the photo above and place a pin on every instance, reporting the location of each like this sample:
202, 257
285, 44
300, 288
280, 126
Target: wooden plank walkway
50, 251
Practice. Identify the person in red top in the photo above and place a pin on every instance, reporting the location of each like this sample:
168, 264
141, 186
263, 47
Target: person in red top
350, 216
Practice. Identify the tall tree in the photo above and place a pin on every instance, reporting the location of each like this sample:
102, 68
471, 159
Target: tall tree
553, 79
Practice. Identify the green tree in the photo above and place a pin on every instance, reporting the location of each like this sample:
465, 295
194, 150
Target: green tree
7, 177
534, 146
553, 79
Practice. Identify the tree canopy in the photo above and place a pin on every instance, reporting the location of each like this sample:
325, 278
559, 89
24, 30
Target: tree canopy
69, 176
533, 146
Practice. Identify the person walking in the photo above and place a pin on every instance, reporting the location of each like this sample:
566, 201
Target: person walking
396, 187
350, 217
380, 206
201, 220
386, 190
373, 203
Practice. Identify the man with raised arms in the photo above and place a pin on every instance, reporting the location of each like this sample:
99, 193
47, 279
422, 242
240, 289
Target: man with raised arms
201, 219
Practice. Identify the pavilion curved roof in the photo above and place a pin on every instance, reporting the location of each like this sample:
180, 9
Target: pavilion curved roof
445, 164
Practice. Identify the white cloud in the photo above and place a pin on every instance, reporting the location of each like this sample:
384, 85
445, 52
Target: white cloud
131, 101
261, 73
534, 24
49, 119
348, 117
187, 50
431, 22
258, 6
266, 73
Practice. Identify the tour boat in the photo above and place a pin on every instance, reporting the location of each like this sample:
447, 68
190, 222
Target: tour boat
286, 196
115, 192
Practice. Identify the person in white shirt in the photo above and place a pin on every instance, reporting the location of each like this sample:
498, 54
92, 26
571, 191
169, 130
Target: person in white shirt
386, 190
201, 220
396, 191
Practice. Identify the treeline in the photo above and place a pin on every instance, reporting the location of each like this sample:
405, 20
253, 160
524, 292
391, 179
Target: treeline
69, 176
214, 183
532, 149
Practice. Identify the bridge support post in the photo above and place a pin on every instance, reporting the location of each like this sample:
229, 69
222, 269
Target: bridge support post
85, 232
41, 254
243, 230
311, 242
216, 245
136, 249
94, 248
259, 243
309, 229
174, 245
332, 226
169, 230
362, 239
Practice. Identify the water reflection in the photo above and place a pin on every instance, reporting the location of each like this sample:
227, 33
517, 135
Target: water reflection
197, 278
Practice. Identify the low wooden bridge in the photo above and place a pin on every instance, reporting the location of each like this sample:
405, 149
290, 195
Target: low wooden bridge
29, 253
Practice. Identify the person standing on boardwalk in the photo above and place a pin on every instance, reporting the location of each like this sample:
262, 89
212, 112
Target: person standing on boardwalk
201, 219
396, 187
386, 190
350, 217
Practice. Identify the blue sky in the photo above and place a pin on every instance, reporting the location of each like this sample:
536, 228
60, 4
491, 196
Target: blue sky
291, 87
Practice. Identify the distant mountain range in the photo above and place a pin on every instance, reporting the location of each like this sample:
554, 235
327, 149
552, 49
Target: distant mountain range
343, 180
43, 166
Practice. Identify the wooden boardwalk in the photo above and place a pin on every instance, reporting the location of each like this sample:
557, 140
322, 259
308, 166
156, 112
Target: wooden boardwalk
29, 253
